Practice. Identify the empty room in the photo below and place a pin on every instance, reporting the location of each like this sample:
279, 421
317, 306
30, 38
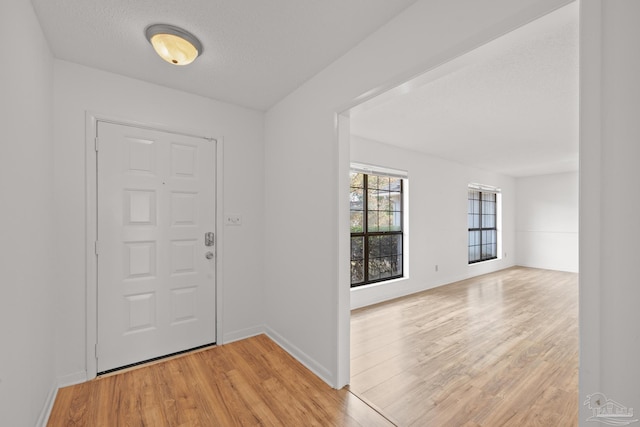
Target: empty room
464, 219
176, 177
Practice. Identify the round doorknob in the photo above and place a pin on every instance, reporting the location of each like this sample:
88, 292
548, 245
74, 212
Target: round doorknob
209, 255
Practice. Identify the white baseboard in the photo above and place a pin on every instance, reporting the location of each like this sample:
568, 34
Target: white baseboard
363, 296
299, 355
315, 367
294, 351
367, 295
72, 379
242, 334
47, 407
66, 380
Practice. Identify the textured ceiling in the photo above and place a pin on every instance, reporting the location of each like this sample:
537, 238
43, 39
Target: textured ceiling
255, 52
510, 106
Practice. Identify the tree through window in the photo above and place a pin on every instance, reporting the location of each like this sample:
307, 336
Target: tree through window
376, 228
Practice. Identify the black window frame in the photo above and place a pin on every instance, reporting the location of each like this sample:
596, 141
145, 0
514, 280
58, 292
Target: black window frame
487, 236
367, 236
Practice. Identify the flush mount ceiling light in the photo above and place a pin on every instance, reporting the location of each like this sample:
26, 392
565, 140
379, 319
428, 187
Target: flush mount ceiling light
173, 44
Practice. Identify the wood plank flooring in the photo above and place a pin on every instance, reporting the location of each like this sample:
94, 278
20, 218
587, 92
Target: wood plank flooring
246, 383
496, 350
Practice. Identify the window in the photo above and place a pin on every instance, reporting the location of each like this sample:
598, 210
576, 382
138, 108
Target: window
376, 228
482, 218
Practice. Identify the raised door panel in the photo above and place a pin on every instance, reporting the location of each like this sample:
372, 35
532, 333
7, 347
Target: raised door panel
156, 200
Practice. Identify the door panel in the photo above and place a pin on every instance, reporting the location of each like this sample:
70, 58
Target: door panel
156, 201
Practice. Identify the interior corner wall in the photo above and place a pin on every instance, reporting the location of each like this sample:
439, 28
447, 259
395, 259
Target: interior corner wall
302, 158
437, 229
609, 203
27, 365
547, 222
79, 89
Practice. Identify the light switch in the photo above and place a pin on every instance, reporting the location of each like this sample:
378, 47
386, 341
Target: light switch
233, 219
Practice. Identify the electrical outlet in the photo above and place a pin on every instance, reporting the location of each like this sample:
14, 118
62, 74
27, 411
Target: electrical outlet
233, 219
436, 268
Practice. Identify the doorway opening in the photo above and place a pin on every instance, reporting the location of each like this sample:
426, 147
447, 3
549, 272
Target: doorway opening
504, 115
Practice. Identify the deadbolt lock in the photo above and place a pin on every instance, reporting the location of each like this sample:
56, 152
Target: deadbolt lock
209, 238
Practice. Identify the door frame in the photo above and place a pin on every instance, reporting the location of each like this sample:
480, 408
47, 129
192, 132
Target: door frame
91, 227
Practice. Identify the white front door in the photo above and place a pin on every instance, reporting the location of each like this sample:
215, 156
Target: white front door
156, 274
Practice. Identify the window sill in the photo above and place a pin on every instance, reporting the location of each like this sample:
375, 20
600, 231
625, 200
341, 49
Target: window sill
484, 262
374, 285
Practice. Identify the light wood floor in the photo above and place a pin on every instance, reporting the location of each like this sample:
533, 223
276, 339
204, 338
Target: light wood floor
246, 383
496, 350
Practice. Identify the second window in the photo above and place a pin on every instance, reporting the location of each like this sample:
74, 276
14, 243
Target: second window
482, 221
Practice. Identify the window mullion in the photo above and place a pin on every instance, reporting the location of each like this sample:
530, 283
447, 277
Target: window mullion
481, 229
402, 209
365, 225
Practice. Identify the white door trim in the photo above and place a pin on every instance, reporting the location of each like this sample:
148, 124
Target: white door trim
91, 226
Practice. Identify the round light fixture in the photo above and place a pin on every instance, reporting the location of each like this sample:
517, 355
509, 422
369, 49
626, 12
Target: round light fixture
173, 44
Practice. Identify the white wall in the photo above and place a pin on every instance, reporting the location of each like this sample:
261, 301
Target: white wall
609, 202
301, 142
27, 365
304, 162
79, 89
437, 229
547, 222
